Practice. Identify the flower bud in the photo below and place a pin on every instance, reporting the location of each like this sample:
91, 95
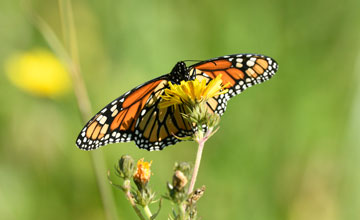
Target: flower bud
179, 180
184, 167
196, 195
126, 167
177, 191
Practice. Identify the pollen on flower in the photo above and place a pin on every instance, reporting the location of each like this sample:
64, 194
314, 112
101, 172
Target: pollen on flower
192, 92
143, 171
38, 72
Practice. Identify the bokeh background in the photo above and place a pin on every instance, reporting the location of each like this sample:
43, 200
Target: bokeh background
286, 149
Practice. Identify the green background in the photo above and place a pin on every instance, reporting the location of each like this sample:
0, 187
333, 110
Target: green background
286, 149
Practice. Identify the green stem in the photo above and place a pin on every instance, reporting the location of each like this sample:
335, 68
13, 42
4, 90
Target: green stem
147, 212
196, 166
98, 163
201, 141
351, 193
132, 202
83, 101
182, 211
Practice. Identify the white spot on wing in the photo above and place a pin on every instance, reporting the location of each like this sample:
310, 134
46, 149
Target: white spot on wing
103, 120
99, 118
250, 63
114, 113
113, 108
239, 65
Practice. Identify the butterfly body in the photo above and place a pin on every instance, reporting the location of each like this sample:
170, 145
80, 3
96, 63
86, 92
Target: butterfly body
135, 116
179, 73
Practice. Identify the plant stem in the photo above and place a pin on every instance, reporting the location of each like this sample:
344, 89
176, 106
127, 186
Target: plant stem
69, 35
132, 202
83, 101
201, 141
147, 212
351, 194
98, 163
196, 166
182, 210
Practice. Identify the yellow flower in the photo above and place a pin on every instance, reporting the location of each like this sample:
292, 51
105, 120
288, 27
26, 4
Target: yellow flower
192, 92
38, 72
143, 172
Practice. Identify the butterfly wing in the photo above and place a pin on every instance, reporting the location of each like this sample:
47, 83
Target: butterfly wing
239, 72
157, 127
116, 122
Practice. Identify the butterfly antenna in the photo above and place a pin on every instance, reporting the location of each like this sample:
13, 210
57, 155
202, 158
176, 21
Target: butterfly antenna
192, 60
198, 61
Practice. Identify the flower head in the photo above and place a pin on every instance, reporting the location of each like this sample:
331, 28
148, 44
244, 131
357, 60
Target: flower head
192, 92
38, 72
194, 95
143, 172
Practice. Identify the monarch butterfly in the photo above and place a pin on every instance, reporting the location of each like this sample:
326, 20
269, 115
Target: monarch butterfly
135, 116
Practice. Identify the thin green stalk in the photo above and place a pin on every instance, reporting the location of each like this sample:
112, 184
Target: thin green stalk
72, 63
147, 212
132, 202
201, 141
68, 26
196, 166
182, 210
351, 164
126, 189
98, 160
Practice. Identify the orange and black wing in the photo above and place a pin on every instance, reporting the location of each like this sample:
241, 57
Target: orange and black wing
157, 127
116, 122
239, 72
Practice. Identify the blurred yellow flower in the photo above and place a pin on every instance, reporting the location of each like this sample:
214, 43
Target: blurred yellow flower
143, 172
192, 92
38, 72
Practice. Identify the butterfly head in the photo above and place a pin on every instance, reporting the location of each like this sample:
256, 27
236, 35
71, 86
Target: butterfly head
179, 73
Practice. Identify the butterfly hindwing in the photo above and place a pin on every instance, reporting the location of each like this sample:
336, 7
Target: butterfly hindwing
116, 122
157, 127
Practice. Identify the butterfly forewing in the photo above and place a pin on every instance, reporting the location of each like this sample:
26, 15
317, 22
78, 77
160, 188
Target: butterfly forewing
238, 72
